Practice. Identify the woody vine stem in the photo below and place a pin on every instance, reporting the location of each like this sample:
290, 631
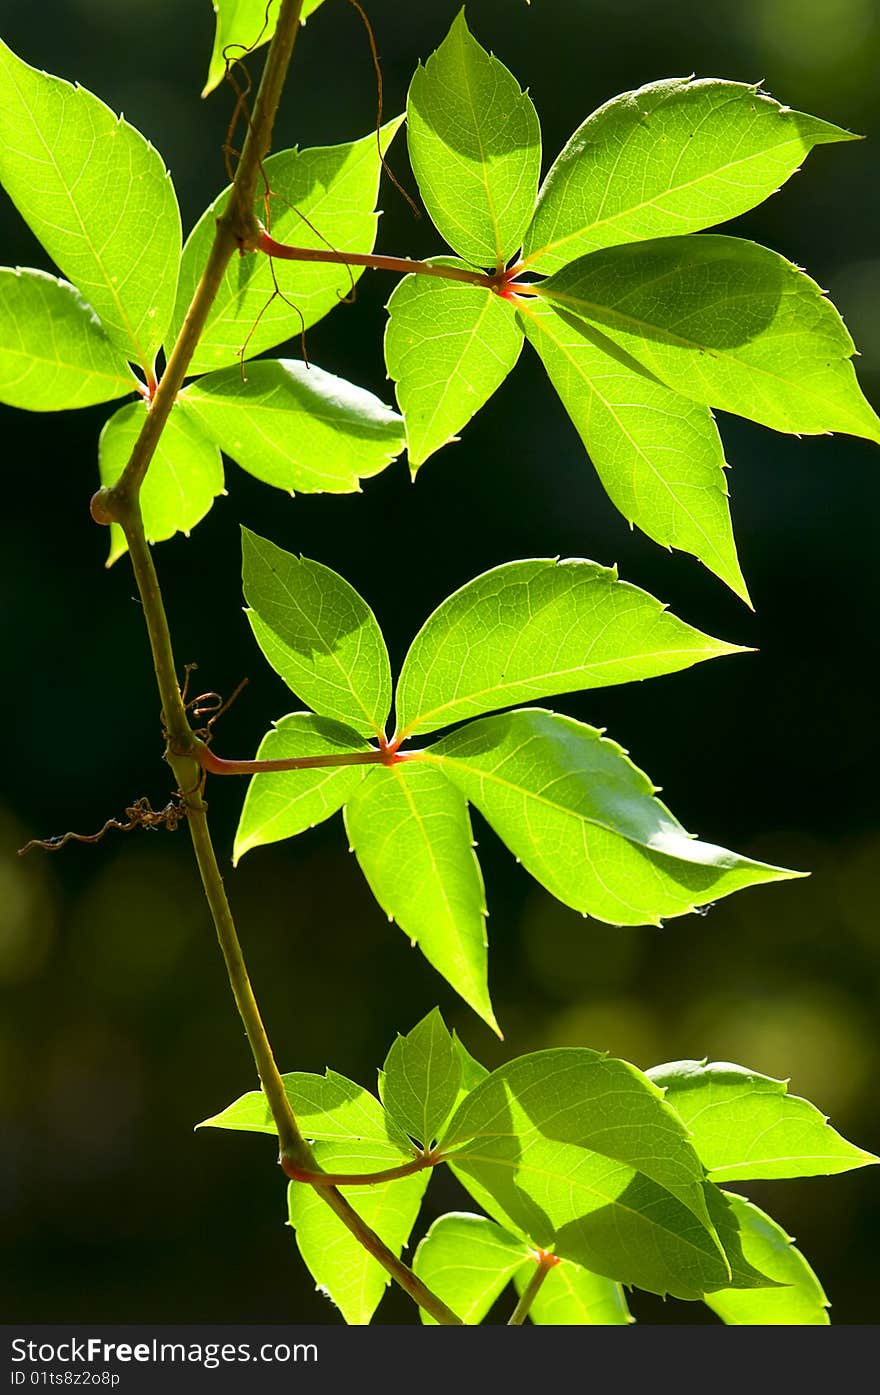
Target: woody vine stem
237, 229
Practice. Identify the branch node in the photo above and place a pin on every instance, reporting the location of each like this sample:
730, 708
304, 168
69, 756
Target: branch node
101, 507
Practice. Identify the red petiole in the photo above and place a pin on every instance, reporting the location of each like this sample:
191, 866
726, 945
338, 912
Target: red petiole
387, 754
359, 1179
502, 282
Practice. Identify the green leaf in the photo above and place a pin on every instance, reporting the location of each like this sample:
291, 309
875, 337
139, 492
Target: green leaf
98, 197
744, 1275
295, 426
673, 157
333, 188
584, 821
475, 148
421, 1081
468, 1261
530, 629
448, 346
745, 1125
472, 1072
327, 1107
727, 323
53, 352
242, 26
282, 803
799, 1302
580, 1153
574, 1297
658, 455
184, 478
337, 1261
318, 634
410, 831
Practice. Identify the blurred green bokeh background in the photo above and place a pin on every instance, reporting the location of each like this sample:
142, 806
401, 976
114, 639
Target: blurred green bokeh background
117, 1030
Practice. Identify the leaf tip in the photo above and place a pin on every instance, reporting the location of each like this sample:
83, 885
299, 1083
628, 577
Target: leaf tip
491, 1022
732, 576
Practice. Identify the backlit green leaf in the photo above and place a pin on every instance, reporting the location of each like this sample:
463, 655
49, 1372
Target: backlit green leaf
658, 455
184, 478
585, 822
475, 147
472, 1071
327, 1107
337, 1261
799, 1301
421, 1080
318, 634
295, 426
531, 629
744, 1274
746, 1125
242, 26
727, 323
334, 188
580, 1153
673, 157
448, 346
98, 197
53, 352
410, 830
282, 803
468, 1261
574, 1297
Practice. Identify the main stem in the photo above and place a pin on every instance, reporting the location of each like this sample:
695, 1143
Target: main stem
189, 779
121, 504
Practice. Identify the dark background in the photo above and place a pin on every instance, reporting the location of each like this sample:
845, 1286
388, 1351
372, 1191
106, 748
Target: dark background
117, 1031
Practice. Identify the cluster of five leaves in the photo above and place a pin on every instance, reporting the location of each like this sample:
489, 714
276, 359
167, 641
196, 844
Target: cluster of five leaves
99, 198
571, 1152
641, 326
567, 801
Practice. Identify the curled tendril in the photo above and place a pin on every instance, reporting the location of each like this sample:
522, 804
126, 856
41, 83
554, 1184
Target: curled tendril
140, 814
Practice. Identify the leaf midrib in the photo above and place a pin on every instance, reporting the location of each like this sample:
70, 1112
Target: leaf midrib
484, 174
130, 384
648, 203
477, 989
591, 383
542, 799
470, 336
633, 325
347, 685
415, 723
